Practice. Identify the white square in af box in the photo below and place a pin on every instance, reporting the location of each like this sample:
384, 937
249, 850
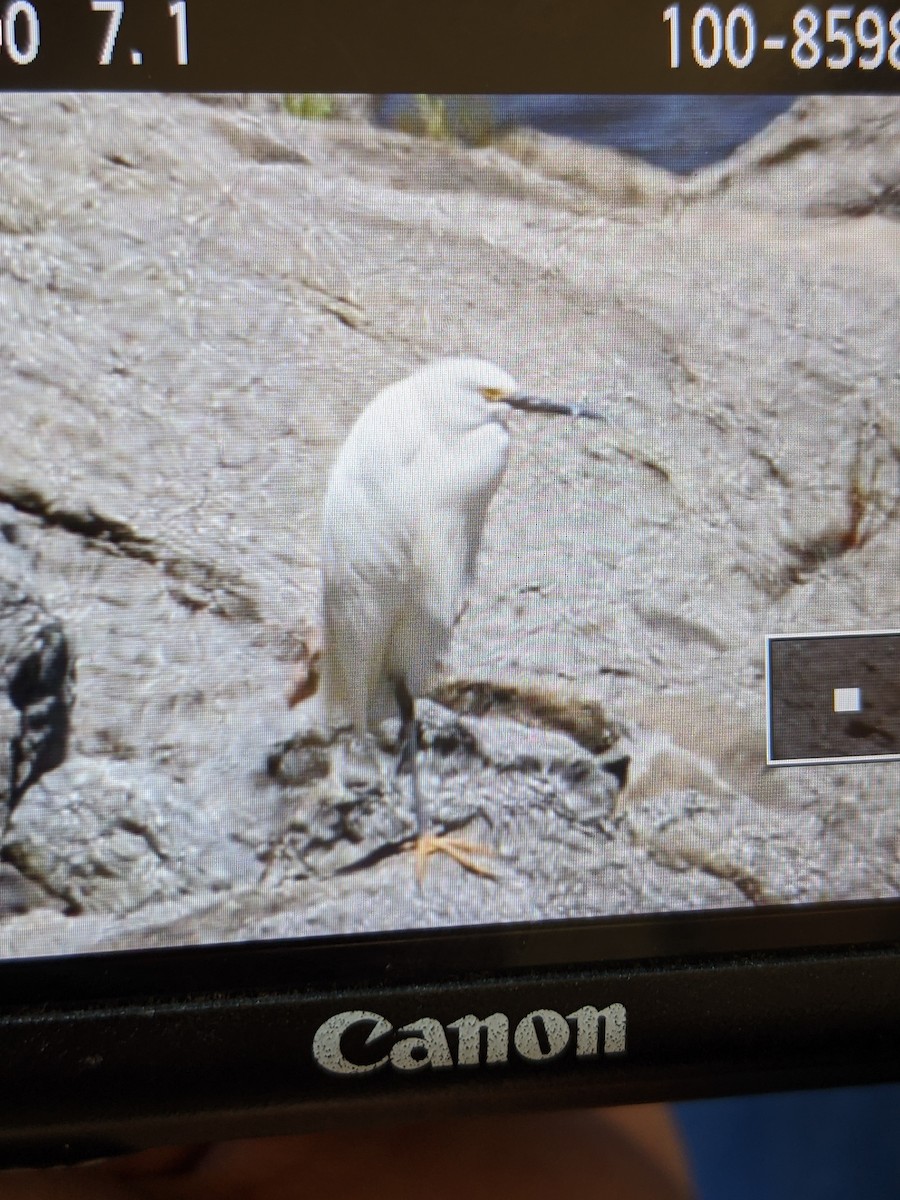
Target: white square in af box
848, 700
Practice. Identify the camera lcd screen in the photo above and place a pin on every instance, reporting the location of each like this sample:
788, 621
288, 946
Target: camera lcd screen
444, 511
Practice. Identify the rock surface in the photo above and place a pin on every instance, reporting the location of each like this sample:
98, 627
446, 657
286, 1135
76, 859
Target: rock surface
197, 297
36, 692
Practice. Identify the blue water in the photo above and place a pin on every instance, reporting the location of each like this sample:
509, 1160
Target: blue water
681, 133
841, 1144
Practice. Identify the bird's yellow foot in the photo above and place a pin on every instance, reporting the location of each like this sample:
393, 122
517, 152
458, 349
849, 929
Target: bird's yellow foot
463, 852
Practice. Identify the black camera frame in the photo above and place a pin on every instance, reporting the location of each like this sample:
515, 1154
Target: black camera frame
100, 1054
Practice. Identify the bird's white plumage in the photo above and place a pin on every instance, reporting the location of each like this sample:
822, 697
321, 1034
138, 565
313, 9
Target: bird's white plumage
404, 510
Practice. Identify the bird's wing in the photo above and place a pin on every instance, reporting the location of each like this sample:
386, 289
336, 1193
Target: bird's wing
404, 511
374, 491
369, 531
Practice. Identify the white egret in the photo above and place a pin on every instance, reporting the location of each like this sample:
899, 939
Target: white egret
405, 506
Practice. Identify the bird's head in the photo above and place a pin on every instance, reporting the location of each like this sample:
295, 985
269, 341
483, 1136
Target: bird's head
474, 382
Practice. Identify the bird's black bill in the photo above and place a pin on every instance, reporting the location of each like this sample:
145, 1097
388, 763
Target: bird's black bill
539, 404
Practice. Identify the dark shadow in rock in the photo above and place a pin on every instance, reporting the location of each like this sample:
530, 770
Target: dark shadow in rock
374, 857
583, 719
298, 762
449, 739
36, 689
348, 806
40, 690
19, 894
618, 768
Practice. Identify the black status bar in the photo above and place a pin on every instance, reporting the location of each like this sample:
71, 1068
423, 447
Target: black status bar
463, 46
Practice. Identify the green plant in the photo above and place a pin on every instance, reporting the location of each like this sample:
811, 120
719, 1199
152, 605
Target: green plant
315, 106
451, 118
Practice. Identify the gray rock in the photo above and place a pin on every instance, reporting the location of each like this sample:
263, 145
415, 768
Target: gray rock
480, 778
826, 157
36, 694
198, 297
112, 837
19, 895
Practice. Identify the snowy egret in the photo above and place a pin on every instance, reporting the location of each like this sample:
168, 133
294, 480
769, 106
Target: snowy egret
405, 506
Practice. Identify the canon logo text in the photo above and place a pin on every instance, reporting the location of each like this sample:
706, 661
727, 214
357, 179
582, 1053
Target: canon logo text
345, 1043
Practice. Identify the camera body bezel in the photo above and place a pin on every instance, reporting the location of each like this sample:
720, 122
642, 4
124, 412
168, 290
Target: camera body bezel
101, 1053
125, 1050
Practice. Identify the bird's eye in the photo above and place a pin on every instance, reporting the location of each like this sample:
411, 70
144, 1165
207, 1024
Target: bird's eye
493, 393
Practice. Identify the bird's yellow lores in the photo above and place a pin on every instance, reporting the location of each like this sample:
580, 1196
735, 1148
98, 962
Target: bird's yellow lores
405, 507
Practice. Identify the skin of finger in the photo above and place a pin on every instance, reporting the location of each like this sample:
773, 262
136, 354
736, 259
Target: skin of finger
653, 1130
69, 1183
128, 1178
162, 1160
578, 1155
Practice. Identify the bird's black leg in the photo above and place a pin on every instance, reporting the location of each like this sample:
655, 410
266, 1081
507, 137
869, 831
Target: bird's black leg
425, 844
409, 747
